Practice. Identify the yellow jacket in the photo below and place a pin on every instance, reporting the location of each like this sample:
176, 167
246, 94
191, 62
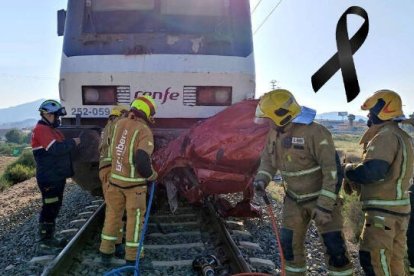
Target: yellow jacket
105, 159
130, 134
306, 158
387, 144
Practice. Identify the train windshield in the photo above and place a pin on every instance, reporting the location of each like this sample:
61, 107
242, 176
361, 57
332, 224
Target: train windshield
213, 27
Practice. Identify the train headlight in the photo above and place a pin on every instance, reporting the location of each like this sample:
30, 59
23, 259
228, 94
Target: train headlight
214, 95
99, 95
91, 95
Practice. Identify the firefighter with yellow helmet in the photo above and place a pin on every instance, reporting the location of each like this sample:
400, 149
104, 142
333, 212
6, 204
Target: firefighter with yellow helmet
382, 179
304, 153
105, 161
131, 147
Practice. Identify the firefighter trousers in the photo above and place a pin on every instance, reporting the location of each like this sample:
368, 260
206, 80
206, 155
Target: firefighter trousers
296, 220
52, 196
104, 174
383, 244
118, 200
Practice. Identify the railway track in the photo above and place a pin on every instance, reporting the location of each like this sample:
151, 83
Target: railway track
172, 244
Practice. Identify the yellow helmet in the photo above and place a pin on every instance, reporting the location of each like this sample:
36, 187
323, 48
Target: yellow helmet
118, 110
386, 104
278, 105
145, 104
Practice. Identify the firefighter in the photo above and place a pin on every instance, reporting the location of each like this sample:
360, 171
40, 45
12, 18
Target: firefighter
304, 153
382, 180
131, 148
105, 160
53, 165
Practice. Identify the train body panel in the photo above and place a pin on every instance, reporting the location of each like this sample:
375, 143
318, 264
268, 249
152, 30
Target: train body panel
175, 90
195, 58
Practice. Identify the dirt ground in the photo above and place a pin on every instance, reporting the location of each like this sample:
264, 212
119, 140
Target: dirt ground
4, 161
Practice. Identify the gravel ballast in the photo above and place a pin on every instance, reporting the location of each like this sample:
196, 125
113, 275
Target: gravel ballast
19, 209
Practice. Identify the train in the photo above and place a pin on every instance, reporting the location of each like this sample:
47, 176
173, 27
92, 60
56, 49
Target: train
195, 58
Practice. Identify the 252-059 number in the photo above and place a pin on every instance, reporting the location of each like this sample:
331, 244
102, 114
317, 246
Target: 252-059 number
92, 111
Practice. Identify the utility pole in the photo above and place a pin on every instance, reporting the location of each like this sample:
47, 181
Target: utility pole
274, 85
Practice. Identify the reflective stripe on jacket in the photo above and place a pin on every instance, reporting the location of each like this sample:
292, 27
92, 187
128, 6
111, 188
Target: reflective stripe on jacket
106, 135
393, 145
129, 135
305, 156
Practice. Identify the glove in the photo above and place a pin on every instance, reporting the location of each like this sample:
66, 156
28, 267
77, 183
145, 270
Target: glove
347, 187
259, 187
321, 217
350, 186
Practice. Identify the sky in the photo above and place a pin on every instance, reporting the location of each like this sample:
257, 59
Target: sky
290, 46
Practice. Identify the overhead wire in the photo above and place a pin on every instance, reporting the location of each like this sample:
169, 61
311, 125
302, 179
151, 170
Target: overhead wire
255, 7
267, 17
6, 75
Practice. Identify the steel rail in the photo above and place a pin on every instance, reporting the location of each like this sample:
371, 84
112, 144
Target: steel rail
63, 261
233, 252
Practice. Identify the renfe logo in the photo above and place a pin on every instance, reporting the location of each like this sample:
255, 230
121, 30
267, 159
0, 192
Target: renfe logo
163, 96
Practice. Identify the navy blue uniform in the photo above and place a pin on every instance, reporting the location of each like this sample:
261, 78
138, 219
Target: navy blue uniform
53, 165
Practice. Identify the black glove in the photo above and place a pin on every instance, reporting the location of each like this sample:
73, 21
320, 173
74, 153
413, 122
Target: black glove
259, 187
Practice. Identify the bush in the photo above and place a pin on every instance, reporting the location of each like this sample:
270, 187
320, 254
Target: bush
4, 184
27, 159
22, 169
6, 149
14, 136
17, 173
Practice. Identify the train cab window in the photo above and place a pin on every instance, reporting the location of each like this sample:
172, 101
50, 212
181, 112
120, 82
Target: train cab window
121, 16
193, 17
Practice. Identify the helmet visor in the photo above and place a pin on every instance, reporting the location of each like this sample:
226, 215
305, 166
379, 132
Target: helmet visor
61, 112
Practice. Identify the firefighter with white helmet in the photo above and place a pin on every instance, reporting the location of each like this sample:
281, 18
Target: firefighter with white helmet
105, 160
304, 153
53, 165
131, 147
382, 179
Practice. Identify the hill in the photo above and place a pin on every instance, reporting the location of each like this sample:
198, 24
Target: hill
20, 112
28, 123
20, 116
333, 116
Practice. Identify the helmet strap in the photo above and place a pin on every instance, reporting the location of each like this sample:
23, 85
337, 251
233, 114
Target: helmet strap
140, 114
54, 124
46, 120
373, 119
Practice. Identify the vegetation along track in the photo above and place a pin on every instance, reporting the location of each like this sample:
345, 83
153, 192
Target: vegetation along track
172, 243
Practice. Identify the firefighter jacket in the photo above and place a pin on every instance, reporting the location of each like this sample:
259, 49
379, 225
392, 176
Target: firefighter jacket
306, 158
130, 134
385, 144
52, 153
105, 159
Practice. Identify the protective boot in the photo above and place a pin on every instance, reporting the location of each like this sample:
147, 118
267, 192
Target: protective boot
106, 259
119, 251
48, 244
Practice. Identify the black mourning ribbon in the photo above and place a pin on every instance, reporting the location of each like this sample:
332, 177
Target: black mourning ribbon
343, 58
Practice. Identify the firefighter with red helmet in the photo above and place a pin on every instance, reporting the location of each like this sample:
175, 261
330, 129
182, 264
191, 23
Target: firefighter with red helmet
382, 180
131, 148
304, 153
53, 165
